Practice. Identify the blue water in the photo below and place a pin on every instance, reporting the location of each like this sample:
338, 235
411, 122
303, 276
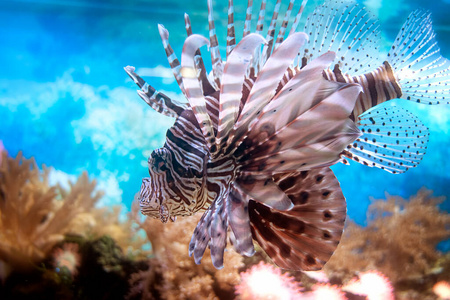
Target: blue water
65, 99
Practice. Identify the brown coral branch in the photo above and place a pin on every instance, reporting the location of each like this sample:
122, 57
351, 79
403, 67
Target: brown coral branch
33, 215
400, 239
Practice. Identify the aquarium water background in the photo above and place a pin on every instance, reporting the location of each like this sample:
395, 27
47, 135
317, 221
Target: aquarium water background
66, 100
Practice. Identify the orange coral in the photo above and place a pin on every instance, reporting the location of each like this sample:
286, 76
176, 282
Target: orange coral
110, 221
33, 215
180, 277
399, 241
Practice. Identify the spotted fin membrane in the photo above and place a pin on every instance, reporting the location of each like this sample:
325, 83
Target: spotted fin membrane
392, 139
304, 237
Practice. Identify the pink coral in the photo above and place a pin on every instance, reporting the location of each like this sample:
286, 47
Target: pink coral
372, 284
67, 256
442, 290
324, 291
263, 281
319, 276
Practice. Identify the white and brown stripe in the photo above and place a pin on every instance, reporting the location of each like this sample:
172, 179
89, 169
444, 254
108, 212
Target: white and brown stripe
231, 38
378, 86
248, 18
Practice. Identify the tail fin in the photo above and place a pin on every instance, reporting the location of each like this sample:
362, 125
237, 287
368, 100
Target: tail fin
422, 72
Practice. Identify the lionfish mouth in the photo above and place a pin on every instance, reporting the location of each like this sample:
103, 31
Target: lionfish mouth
150, 204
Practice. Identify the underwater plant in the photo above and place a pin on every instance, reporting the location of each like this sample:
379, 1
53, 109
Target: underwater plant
35, 216
172, 274
399, 241
252, 146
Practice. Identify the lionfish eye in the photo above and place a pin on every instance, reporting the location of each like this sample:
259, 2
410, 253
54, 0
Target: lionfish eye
157, 160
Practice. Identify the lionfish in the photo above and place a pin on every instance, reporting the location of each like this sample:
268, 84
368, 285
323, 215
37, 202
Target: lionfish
253, 145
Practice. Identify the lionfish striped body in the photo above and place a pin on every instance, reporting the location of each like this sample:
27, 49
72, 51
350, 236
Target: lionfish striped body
253, 145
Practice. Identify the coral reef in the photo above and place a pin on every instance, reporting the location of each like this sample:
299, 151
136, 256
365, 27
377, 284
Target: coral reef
442, 290
324, 291
177, 274
121, 227
102, 272
400, 239
265, 282
372, 284
54, 243
33, 215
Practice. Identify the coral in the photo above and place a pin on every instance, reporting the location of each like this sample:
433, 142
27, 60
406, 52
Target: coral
399, 241
265, 282
319, 276
67, 257
324, 291
372, 284
34, 216
142, 285
121, 228
179, 277
442, 290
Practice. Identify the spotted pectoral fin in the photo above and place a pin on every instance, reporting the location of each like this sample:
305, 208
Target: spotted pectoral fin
393, 140
156, 100
305, 237
265, 190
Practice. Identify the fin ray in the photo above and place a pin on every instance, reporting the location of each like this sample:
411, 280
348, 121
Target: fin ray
156, 100
422, 72
232, 83
239, 220
266, 83
193, 89
348, 30
304, 237
393, 140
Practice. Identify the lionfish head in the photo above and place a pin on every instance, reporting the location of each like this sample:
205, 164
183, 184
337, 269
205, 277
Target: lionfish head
160, 197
